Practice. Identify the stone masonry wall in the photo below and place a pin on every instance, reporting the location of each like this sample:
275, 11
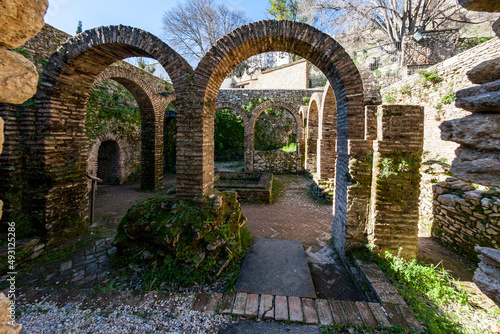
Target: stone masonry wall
289, 76
243, 96
465, 217
276, 162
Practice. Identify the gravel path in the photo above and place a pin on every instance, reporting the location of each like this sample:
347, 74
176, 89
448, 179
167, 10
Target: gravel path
172, 315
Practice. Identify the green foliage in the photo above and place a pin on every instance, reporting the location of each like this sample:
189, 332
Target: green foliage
431, 76
23, 52
435, 298
439, 106
387, 97
291, 147
449, 97
377, 73
468, 43
180, 237
111, 107
306, 100
228, 136
405, 90
284, 10
142, 64
254, 103
274, 128
79, 27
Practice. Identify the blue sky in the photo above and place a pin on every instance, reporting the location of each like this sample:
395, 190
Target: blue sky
144, 14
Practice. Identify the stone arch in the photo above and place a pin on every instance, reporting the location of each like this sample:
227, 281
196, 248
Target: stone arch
108, 162
152, 106
298, 122
315, 105
248, 133
92, 160
327, 135
287, 36
61, 99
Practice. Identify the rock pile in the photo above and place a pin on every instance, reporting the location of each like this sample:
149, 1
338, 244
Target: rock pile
478, 157
487, 275
191, 241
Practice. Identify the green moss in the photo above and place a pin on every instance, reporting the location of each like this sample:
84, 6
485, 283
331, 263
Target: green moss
190, 241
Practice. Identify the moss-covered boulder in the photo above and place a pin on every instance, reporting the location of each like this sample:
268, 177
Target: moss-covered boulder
184, 241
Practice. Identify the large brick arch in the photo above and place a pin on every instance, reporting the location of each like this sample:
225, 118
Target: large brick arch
152, 106
287, 36
61, 146
327, 135
312, 131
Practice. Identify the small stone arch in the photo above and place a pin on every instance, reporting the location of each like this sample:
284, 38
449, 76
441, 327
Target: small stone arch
248, 133
64, 86
92, 160
298, 121
315, 105
152, 106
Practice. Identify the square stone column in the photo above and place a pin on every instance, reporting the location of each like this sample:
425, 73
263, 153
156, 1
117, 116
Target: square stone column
396, 180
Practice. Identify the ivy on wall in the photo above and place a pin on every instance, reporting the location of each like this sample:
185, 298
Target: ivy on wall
275, 129
112, 108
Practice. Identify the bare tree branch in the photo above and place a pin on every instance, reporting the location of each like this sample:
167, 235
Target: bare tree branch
193, 27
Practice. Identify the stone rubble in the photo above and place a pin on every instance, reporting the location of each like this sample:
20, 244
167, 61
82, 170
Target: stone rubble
478, 160
487, 275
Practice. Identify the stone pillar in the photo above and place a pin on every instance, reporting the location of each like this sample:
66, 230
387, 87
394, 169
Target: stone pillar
395, 184
358, 192
248, 146
326, 158
152, 154
311, 144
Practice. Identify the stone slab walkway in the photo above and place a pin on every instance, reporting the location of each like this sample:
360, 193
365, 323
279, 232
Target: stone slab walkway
391, 310
277, 267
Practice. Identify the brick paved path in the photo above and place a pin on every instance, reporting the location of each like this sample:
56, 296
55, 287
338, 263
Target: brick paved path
295, 216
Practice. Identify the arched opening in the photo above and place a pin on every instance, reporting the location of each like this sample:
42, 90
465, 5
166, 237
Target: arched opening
277, 139
229, 140
311, 44
170, 140
61, 99
311, 130
108, 162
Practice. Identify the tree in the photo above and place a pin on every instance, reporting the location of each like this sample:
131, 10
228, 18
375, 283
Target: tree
393, 18
143, 65
79, 27
284, 9
193, 27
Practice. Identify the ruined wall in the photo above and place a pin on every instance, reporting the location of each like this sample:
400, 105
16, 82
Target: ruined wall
276, 162
413, 90
434, 47
465, 217
243, 96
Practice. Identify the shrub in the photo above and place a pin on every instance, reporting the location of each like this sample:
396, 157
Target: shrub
430, 75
